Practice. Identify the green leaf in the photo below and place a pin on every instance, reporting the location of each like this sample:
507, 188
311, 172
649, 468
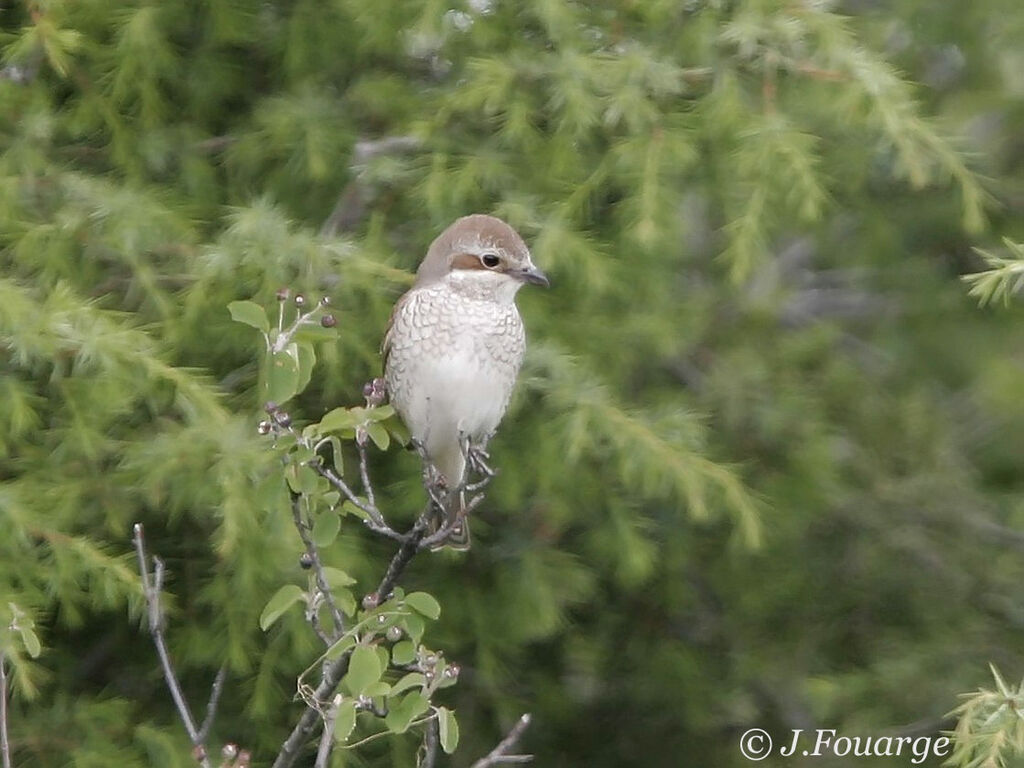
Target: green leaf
398, 430
250, 313
411, 680
384, 655
282, 600
346, 600
364, 669
448, 730
342, 645
339, 418
403, 652
31, 641
379, 435
301, 479
307, 359
337, 578
423, 603
380, 688
380, 413
325, 529
414, 627
401, 714
282, 376
345, 721
348, 508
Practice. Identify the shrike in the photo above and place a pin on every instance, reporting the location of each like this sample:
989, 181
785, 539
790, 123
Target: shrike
455, 343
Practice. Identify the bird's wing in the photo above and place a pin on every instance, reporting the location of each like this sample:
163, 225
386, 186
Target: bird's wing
385, 346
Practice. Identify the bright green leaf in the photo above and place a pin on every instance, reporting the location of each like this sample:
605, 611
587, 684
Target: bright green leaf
345, 721
403, 652
448, 729
411, 680
379, 435
31, 641
250, 313
402, 713
364, 669
325, 529
282, 600
424, 603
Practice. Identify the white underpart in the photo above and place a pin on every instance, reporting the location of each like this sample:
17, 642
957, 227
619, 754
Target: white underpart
455, 350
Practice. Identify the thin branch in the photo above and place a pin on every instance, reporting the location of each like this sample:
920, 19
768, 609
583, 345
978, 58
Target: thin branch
211, 705
323, 752
497, 755
5, 744
364, 473
333, 673
302, 526
404, 555
375, 520
430, 738
151, 590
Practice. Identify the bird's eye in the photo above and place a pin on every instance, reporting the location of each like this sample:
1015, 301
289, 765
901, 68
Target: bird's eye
490, 260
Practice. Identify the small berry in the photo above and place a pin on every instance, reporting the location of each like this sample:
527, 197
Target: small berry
244, 759
394, 634
199, 753
328, 321
230, 751
282, 418
263, 427
283, 294
371, 601
428, 676
325, 301
452, 671
270, 406
306, 561
430, 659
300, 300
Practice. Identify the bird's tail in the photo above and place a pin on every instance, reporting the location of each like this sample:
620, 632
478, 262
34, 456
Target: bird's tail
455, 519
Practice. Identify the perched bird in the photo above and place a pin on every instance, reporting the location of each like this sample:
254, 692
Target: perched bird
454, 345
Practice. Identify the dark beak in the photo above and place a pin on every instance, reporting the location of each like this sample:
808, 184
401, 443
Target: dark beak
534, 276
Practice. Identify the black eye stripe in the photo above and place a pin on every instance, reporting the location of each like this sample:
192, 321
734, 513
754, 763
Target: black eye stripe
490, 260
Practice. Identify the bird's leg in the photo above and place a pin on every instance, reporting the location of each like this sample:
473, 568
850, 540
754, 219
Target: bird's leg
476, 455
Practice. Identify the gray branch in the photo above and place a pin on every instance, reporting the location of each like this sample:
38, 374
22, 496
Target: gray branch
499, 753
151, 590
5, 744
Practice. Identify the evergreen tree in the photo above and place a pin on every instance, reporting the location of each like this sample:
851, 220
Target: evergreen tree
762, 469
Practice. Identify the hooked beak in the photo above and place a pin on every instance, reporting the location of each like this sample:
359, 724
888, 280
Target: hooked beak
534, 276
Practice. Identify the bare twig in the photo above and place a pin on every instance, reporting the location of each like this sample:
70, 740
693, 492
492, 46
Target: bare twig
211, 705
5, 744
302, 526
151, 590
497, 755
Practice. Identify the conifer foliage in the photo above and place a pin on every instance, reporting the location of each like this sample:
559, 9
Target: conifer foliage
762, 467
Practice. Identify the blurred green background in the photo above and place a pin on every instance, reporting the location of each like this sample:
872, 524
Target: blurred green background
763, 468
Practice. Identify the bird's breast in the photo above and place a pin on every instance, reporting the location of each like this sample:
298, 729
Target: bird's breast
452, 362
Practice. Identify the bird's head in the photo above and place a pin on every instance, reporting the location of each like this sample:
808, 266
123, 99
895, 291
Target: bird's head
483, 255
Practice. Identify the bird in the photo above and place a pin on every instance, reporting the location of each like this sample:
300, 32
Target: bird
454, 345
